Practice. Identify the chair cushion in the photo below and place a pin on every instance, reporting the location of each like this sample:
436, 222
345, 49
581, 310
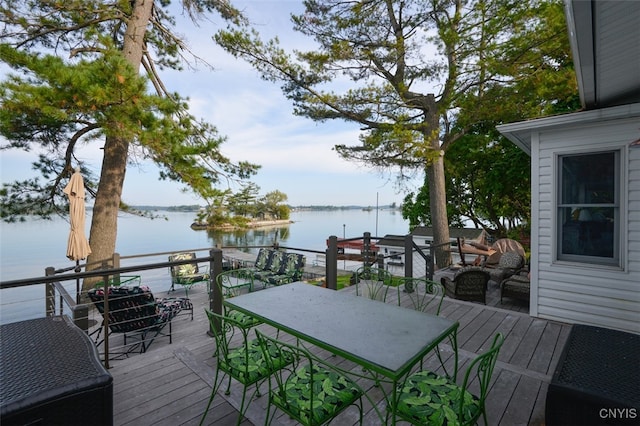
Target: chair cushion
190, 278
243, 320
427, 398
247, 364
263, 259
511, 260
332, 393
170, 307
186, 269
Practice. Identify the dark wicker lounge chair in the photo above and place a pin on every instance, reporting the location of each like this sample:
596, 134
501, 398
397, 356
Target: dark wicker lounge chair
469, 283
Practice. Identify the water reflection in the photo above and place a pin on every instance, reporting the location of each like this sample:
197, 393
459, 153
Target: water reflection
242, 238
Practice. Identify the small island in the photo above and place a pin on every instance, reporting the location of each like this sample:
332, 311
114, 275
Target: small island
244, 210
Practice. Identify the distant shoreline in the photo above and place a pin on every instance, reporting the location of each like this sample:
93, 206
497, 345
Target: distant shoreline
196, 208
253, 224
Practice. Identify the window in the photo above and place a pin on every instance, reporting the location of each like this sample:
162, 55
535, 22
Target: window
589, 208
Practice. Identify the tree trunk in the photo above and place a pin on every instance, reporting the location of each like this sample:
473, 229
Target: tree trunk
437, 191
104, 222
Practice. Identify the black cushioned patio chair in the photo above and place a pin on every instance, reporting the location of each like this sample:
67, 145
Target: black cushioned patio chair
137, 315
510, 263
517, 286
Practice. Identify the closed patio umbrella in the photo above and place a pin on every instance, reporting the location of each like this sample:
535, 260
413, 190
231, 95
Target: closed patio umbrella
77, 246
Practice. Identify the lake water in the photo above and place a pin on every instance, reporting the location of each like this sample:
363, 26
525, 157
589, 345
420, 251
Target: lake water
28, 248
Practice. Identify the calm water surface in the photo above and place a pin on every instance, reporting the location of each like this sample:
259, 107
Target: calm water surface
26, 249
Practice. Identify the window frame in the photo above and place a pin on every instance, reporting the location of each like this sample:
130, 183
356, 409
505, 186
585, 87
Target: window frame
617, 205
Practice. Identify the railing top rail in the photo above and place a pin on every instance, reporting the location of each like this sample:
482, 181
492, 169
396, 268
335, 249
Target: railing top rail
54, 277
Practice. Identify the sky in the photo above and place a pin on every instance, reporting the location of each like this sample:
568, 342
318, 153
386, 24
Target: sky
295, 153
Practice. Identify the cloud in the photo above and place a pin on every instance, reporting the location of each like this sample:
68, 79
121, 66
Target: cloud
295, 153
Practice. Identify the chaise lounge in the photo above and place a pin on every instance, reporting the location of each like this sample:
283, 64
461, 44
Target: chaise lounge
137, 315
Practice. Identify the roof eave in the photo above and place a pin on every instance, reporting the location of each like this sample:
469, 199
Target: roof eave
580, 21
520, 133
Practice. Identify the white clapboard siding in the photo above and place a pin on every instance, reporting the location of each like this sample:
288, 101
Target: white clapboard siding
585, 293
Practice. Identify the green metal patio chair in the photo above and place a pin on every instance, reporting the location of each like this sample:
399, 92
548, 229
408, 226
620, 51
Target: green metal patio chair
230, 286
424, 295
247, 363
372, 282
244, 277
310, 390
426, 398
187, 274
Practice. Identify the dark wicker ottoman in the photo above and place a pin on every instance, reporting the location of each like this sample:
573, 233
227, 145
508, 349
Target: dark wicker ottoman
597, 379
50, 374
516, 287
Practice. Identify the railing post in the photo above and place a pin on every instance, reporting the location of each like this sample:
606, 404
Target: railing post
81, 317
366, 247
431, 263
116, 265
215, 292
331, 264
408, 255
49, 293
105, 320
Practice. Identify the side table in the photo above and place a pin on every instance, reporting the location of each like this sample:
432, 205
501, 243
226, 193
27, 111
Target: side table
597, 379
50, 373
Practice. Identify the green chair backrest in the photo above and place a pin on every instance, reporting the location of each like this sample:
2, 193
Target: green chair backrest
482, 369
424, 295
263, 258
224, 329
278, 264
372, 282
294, 265
185, 269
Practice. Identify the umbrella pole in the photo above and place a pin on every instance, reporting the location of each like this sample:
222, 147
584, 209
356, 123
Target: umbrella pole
77, 283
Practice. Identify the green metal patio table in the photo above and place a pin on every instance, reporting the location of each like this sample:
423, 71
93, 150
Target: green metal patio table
386, 340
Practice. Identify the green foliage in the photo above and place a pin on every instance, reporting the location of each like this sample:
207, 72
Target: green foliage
488, 178
272, 206
488, 183
238, 209
425, 77
72, 86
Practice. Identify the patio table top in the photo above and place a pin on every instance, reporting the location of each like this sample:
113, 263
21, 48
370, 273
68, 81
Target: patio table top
383, 338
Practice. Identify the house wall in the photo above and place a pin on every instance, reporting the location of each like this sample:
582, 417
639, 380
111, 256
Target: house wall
577, 292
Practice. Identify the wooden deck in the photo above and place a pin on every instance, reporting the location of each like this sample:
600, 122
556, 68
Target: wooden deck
170, 384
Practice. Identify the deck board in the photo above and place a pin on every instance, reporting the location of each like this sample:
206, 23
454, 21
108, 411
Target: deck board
170, 384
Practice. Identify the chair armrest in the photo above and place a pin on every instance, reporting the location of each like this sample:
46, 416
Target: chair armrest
232, 280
